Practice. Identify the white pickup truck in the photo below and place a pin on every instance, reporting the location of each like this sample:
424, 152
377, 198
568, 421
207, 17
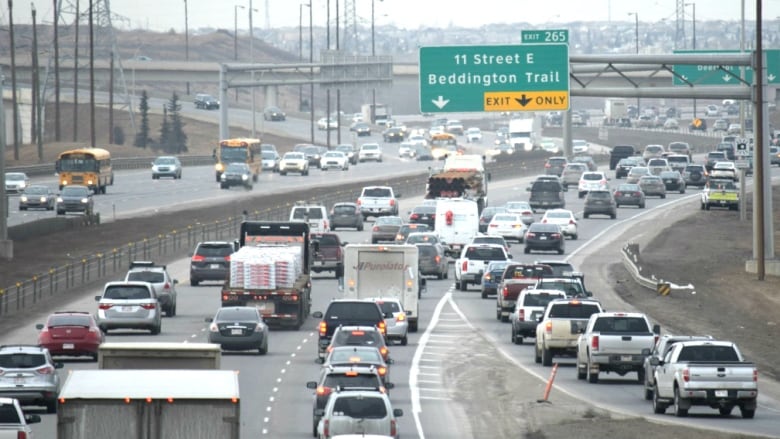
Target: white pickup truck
378, 201
473, 261
560, 327
708, 373
13, 422
615, 342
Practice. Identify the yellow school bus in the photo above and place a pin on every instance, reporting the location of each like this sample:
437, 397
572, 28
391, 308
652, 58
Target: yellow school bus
90, 167
444, 144
238, 150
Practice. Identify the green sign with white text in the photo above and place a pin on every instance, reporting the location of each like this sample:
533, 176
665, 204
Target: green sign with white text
544, 36
723, 75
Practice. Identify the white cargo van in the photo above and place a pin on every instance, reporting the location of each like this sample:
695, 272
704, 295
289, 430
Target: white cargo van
457, 222
376, 270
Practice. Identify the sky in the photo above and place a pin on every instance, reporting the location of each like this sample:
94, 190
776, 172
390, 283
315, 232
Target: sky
162, 15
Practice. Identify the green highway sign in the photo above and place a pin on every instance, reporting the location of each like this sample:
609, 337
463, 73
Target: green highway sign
713, 75
545, 36
526, 77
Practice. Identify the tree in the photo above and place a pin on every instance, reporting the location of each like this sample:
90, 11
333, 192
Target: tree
178, 140
165, 131
142, 139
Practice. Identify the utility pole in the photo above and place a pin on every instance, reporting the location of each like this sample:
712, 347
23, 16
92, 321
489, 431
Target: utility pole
186, 40
14, 102
338, 90
36, 91
311, 70
252, 60
57, 127
327, 92
76, 75
92, 140
6, 246
111, 99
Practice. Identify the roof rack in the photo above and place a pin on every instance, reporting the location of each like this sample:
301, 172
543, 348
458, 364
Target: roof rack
72, 312
6, 346
135, 264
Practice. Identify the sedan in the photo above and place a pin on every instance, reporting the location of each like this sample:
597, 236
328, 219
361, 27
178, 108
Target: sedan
370, 151
37, 197
487, 215
71, 333
236, 174
394, 134
579, 146
423, 215
636, 173
600, 202
432, 260
270, 161
350, 152
629, 195
673, 181
522, 208
473, 135
507, 225
406, 149
294, 162
327, 123
166, 166
75, 198
361, 129
335, 160
653, 185
274, 114
544, 237
346, 215
385, 228
725, 170
16, 182
564, 218
239, 328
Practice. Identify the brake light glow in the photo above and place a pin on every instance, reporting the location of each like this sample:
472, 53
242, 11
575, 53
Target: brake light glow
375, 229
686, 374
45, 370
382, 371
323, 329
548, 327
505, 292
383, 350
227, 258
326, 427
105, 306
465, 266
437, 258
400, 317
571, 221
594, 342
167, 286
351, 373
149, 306
556, 235
392, 202
358, 333
521, 314
755, 375
382, 327
198, 258
393, 431
324, 391
414, 216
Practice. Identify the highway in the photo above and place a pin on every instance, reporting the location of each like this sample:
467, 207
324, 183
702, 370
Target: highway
275, 402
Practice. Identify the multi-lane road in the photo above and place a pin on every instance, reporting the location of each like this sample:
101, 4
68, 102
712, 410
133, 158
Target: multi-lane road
275, 402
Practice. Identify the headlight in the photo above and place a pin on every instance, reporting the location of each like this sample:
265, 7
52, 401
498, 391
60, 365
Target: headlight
223, 177
85, 200
90, 182
23, 199
59, 199
245, 177
43, 199
219, 167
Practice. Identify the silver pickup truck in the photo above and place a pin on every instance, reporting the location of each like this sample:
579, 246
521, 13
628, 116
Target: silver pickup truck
615, 342
707, 373
378, 201
14, 423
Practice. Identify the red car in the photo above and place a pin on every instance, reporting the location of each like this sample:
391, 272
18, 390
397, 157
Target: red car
71, 333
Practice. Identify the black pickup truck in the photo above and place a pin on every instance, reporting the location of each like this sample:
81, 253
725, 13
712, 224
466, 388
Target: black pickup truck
620, 152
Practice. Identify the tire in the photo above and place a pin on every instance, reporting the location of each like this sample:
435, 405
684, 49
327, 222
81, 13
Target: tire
642, 206
537, 357
581, 373
51, 406
413, 326
706, 206
173, 311
617, 206
659, 408
282, 173
60, 212
464, 286
484, 295
546, 357
405, 340
360, 228
678, 411
725, 411
498, 314
194, 282
264, 348
527, 250
702, 206
560, 251
648, 392
613, 216
513, 336
504, 318
446, 274
592, 378
575, 236
440, 276
586, 215
747, 413
155, 330
640, 376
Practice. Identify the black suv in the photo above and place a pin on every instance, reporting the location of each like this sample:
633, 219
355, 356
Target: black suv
547, 193
211, 261
347, 312
620, 152
206, 102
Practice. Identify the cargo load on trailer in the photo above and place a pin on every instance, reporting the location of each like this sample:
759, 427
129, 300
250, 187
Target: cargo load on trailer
463, 176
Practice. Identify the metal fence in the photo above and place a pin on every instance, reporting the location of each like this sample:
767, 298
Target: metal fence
111, 263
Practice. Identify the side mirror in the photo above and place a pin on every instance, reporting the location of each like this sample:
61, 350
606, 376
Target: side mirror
317, 314
398, 413
97, 298
489, 177
657, 329
58, 365
39, 326
566, 189
398, 195
344, 243
390, 361
528, 189
176, 281
320, 361
311, 384
654, 361
209, 319
389, 386
32, 419
646, 352
319, 412
509, 256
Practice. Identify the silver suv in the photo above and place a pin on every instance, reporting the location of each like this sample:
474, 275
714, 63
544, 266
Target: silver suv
157, 275
358, 412
129, 305
28, 374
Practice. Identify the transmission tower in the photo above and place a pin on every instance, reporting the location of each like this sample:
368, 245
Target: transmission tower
350, 41
679, 34
73, 14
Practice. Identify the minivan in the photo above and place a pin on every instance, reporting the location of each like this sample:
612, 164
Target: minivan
546, 194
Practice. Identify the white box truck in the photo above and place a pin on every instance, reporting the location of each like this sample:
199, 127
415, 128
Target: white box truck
457, 223
524, 134
149, 404
375, 270
615, 110
159, 355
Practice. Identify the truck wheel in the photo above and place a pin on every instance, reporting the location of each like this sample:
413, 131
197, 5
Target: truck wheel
405, 340
537, 357
339, 271
194, 282
593, 378
513, 335
648, 393
640, 376
413, 326
678, 401
484, 294
498, 313
264, 348
440, 276
659, 408
51, 406
546, 357
463, 286
154, 330
726, 410
581, 372
314, 427
747, 413
706, 206
504, 318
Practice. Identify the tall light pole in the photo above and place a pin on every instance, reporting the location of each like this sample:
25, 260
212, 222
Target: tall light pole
636, 43
300, 51
186, 40
311, 70
235, 30
693, 5
252, 60
373, 53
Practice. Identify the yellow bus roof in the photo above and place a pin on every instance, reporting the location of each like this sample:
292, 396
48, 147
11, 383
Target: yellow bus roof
97, 153
239, 141
443, 136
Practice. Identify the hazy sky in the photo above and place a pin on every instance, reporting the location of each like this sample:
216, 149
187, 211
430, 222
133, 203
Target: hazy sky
161, 15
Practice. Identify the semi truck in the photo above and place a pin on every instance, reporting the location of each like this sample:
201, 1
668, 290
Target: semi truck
271, 271
159, 355
524, 134
146, 404
615, 110
375, 270
463, 176
376, 113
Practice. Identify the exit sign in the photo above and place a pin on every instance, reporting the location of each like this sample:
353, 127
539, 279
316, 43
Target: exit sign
545, 36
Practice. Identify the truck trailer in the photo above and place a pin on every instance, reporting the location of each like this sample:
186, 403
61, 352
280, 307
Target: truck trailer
376, 270
149, 404
524, 134
463, 176
271, 271
159, 355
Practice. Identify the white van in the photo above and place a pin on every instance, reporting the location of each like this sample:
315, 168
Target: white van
314, 214
457, 222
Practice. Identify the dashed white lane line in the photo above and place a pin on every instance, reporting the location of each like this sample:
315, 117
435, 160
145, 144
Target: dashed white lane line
275, 390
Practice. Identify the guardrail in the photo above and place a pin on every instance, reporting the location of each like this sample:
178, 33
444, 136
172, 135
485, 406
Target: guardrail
90, 269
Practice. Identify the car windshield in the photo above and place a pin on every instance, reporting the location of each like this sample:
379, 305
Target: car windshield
377, 192
334, 154
545, 186
73, 191
506, 217
621, 325
639, 170
388, 308
388, 221
344, 148
293, 156
628, 188
570, 288
210, 250
350, 311
300, 213
575, 167
485, 253
36, 190
355, 355
21, 360
560, 215
268, 155
126, 292
326, 240
236, 167
592, 177
154, 277
546, 228
415, 238
14, 177
360, 407
428, 251
600, 195
667, 174
237, 315
344, 380
573, 310
9, 415
344, 210
557, 162
357, 337
165, 161
541, 299
370, 147
69, 320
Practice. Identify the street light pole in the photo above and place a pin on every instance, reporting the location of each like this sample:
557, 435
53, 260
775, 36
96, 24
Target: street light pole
311, 71
186, 40
636, 43
327, 91
300, 52
235, 30
693, 5
252, 60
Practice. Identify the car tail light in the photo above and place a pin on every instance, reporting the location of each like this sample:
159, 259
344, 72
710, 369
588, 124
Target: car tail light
494, 225
414, 216
167, 286
198, 258
755, 375
383, 350
105, 306
546, 165
464, 266
487, 277
326, 427
358, 202
323, 328
433, 215
324, 391
227, 258
382, 371
594, 342
437, 258
521, 315
393, 430
556, 235
686, 374
45, 370
530, 235
617, 194
544, 221
505, 292
213, 327
400, 317
517, 226
21, 435
392, 202
382, 327
548, 327
571, 221
375, 229
149, 306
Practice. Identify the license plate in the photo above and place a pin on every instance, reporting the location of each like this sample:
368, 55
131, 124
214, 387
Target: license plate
721, 393
214, 266
543, 238
625, 358
626, 195
127, 308
236, 331
374, 210
722, 202
19, 380
68, 346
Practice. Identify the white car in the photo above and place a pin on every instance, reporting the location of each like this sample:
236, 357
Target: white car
564, 218
592, 181
712, 110
327, 123
724, 170
549, 145
16, 182
334, 160
294, 162
407, 149
370, 151
417, 140
367, 412
579, 146
396, 322
507, 225
522, 208
474, 135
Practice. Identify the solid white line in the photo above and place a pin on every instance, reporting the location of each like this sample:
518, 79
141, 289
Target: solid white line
428, 382
429, 374
436, 398
432, 360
